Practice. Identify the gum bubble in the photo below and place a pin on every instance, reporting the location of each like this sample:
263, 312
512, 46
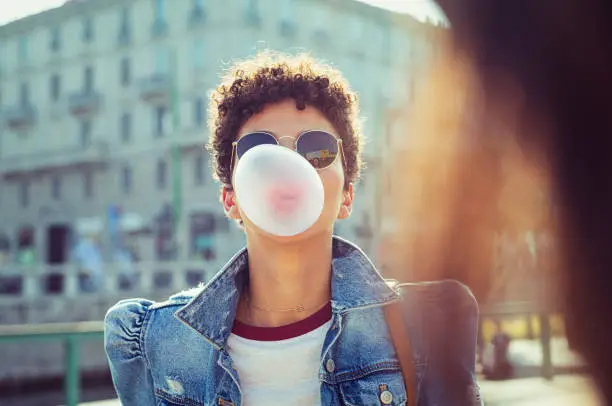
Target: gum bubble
278, 190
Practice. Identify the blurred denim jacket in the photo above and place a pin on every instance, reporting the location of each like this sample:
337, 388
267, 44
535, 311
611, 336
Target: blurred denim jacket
174, 352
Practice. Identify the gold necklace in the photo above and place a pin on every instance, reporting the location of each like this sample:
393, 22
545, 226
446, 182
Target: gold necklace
298, 308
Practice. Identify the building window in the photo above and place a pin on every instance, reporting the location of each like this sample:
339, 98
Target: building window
55, 87
159, 10
202, 231
165, 247
88, 185
162, 174
160, 117
252, 12
198, 112
125, 72
56, 188
320, 19
160, 27
197, 14
126, 127
85, 133
126, 180
24, 94
162, 61
88, 29
23, 51
199, 170
56, 41
124, 26
198, 53
5, 248
288, 10
356, 30
88, 79
24, 194
26, 246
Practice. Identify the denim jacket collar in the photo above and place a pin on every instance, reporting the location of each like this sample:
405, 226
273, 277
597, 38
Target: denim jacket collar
355, 284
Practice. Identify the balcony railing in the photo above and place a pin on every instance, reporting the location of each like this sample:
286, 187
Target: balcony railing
187, 138
71, 334
20, 284
155, 88
74, 334
96, 153
20, 116
84, 103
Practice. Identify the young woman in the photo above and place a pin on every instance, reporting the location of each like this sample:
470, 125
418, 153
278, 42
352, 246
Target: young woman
296, 320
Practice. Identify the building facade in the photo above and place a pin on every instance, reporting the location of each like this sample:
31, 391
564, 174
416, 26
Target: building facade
103, 111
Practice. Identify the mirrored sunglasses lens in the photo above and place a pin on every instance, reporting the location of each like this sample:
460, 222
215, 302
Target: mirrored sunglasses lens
252, 140
319, 148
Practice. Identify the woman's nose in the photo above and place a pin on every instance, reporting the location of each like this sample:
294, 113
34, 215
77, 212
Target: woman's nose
287, 141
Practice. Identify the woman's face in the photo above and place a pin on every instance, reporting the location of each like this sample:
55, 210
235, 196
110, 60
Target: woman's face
286, 123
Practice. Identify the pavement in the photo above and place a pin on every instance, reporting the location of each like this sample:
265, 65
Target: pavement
568, 390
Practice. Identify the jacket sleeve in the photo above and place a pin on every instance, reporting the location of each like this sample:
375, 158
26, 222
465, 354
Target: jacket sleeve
124, 327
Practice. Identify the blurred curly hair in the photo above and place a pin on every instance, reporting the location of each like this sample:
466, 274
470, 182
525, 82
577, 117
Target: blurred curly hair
272, 77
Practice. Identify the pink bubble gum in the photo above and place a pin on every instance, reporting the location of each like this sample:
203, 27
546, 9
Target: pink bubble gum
284, 200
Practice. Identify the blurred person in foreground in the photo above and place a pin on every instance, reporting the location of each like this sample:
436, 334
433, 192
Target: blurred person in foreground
301, 319
519, 96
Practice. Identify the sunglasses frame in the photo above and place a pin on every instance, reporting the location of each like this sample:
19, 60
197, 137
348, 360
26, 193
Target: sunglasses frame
234, 157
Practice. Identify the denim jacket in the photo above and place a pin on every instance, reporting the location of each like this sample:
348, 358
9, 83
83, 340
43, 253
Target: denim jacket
175, 353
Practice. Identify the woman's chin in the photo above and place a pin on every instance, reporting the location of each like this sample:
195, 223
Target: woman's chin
313, 231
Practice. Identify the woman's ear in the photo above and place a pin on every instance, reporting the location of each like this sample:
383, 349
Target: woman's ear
228, 198
347, 203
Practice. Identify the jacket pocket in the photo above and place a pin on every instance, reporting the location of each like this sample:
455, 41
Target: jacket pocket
378, 388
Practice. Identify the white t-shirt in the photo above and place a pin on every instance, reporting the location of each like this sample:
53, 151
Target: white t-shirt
280, 365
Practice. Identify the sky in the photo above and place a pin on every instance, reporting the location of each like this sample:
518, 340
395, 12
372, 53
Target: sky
421, 9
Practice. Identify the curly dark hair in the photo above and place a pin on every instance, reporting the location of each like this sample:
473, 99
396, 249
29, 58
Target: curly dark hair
272, 77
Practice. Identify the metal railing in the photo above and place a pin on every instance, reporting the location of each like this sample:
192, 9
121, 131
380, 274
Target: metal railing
23, 283
96, 153
71, 335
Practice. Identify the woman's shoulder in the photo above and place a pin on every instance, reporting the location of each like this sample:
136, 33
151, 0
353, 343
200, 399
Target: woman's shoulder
138, 309
127, 322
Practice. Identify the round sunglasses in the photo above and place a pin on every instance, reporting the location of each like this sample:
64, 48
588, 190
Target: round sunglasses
320, 148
